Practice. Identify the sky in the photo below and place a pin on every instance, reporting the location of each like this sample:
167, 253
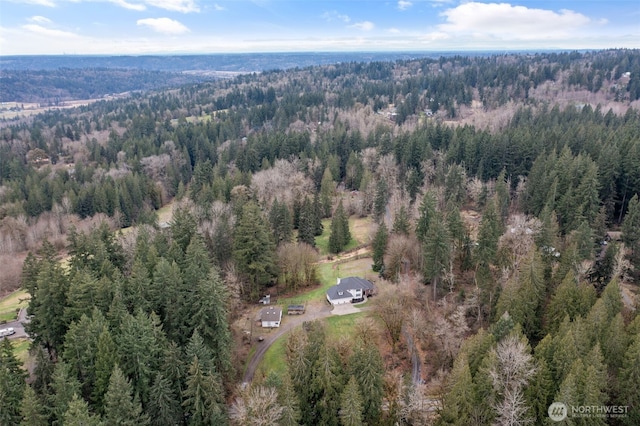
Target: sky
106, 27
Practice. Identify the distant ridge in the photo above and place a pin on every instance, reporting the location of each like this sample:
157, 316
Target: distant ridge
233, 62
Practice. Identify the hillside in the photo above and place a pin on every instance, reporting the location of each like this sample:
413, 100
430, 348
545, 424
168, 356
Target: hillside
496, 195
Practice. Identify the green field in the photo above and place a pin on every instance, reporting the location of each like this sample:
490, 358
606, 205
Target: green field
11, 304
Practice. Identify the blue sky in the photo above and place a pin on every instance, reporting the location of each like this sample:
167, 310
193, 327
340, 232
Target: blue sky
217, 26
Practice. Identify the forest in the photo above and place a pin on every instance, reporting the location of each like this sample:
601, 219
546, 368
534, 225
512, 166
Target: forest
501, 197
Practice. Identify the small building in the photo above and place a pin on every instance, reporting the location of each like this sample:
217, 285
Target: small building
270, 317
295, 309
349, 290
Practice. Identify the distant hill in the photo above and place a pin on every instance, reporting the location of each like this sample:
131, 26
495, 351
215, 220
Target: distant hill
236, 62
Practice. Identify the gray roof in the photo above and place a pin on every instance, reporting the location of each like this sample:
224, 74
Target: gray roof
272, 313
349, 283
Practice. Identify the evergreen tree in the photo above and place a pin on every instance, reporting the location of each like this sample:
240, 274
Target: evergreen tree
12, 384
254, 251
120, 406
368, 369
106, 358
327, 188
317, 215
488, 235
351, 404
203, 397
437, 252
64, 386
32, 409
78, 414
380, 200
289, 402
281, 224
164, 407
340, 235
631, 230
307, 224
629, 379
427, 214
379, 247
401, 223
210, 319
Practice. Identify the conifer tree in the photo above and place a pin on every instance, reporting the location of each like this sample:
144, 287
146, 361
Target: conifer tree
380, 200
437, 252
327, 188
629, 379
203, 397
351, 404
401, 223
307, 224
280, 220
106, 359
64, 387
427, 214
379, 246
254, 251
32, 409
164, 407
631, 230
78, 414
12, 384
340, 235
120, 407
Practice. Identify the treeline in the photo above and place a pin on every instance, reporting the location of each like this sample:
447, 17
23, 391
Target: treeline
54, 87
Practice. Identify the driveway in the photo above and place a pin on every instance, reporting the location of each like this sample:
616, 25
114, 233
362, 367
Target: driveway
17, 325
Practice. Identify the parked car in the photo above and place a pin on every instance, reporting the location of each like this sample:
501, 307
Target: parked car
7, 332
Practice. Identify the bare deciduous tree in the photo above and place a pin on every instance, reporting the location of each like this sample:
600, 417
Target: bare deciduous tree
256, 406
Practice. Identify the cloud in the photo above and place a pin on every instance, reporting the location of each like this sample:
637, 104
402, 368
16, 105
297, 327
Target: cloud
218, 8
163, 25
393, 30
184, 6
47, 3
404, 4
504, 20
131, 6
48, 32
334, 16
363, 26
39, 20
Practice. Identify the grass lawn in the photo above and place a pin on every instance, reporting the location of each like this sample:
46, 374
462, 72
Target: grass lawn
274, 359
10, 305
21, 349
342, 325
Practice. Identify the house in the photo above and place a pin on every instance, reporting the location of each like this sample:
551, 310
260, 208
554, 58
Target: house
270, 317
349, 290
